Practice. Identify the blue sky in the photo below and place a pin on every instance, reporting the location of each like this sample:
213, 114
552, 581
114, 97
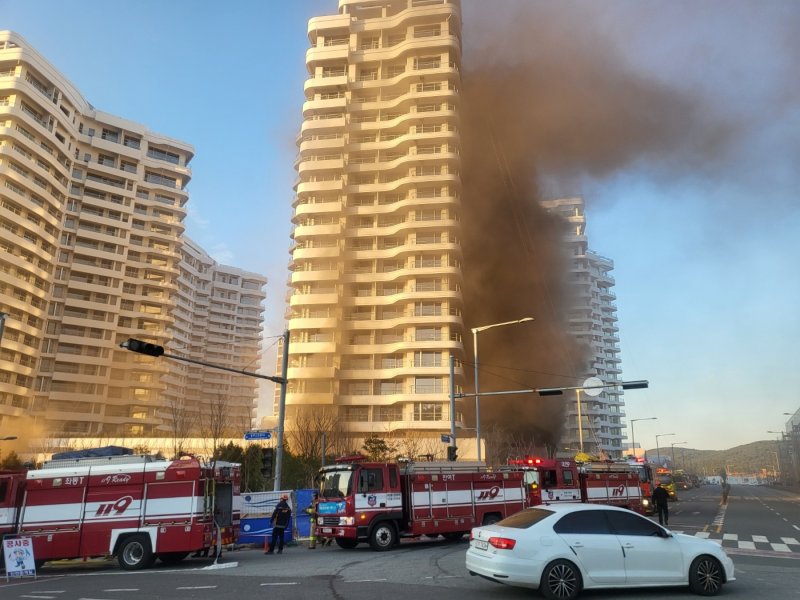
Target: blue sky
705, 250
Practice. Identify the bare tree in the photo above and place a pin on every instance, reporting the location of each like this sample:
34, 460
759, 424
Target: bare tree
310, 426
181, 422
214, 422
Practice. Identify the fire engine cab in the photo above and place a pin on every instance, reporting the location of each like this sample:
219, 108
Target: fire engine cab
137, 508
550, 480
380, 502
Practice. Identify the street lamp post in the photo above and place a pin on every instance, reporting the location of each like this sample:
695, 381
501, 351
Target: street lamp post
633, 436
658, 450
592, 387
778, 453
673, 452
475, 332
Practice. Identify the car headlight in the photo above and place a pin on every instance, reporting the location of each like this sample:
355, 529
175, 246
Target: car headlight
346, 520
645, 502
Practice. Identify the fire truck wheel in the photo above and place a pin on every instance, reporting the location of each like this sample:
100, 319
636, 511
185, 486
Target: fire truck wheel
172, 558
134, 553
346, 543
453, 536
490, 520
383, 536
561, 580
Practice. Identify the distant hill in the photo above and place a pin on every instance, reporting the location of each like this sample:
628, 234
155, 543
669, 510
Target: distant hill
749, 459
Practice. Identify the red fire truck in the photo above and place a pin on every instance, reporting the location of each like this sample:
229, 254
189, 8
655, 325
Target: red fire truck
550, 480
645, 472
135, 507
380, 502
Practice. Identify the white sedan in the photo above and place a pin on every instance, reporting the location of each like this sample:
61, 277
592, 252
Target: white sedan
562, 549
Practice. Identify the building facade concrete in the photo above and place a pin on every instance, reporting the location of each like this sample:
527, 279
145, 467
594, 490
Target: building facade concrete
375, 305
91, 243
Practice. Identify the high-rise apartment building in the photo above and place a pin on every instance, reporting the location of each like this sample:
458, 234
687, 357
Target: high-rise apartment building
218, 316
91, 241
375, 307
593, 321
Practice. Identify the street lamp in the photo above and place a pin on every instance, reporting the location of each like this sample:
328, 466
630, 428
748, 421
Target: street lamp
673, 444
658, 450
475, 331
592, 386
633, 436
777, 454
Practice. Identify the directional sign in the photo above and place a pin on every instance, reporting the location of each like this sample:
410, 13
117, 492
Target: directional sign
258, 435
445, 438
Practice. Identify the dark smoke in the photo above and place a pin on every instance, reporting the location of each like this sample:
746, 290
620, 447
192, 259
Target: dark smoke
547, 99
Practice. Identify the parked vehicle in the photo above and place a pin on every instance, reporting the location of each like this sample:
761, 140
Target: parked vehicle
134, 507
549, 481
379, 503
562, 549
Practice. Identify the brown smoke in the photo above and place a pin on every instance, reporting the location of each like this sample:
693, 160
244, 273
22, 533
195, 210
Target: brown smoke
546, 98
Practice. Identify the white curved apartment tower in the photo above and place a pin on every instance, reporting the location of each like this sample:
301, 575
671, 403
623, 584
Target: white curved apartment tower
375, 306
91, 235
593, 321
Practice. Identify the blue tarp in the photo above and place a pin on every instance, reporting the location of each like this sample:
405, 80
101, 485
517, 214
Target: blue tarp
257, 509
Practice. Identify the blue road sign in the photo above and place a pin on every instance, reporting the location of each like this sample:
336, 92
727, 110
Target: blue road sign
445, 438
258, 435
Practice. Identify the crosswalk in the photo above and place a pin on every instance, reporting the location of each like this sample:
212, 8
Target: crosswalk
750, 542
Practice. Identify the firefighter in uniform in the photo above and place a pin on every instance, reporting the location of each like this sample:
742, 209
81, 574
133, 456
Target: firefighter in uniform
312, 522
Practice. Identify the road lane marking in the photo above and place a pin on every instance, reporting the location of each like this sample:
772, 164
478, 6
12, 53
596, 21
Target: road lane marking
783, 539
747, 545
280, 583
363, 580
197, 587
31, 596
122, 590
761, 538
730, 536
780, 548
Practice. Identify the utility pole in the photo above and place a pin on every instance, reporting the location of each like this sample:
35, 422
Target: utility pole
281, 413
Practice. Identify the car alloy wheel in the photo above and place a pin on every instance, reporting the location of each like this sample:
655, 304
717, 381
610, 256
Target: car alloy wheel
561, 581
705, 576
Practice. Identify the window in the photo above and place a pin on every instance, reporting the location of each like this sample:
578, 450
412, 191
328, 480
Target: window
567, 478
370, 480
526, 518
387, 413
165, 155
584, 522
629, 523
427, 411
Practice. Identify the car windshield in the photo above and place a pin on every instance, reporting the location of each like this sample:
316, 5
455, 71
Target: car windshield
525, 518
335, 483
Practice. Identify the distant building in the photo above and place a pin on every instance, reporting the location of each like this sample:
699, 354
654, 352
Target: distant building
593, 321
91, 249
375, 302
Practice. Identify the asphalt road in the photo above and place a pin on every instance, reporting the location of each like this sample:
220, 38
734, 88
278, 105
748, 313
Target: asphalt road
425, 568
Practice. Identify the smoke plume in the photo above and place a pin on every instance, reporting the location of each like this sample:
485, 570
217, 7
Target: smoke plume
547, 102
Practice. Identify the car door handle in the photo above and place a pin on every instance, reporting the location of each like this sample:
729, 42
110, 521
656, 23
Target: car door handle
628, 545
577, 545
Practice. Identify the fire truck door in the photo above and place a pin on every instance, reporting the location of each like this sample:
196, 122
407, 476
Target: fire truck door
168, 502
8, 509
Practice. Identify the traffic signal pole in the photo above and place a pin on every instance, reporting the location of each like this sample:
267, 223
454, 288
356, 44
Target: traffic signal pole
281, 412
155, 351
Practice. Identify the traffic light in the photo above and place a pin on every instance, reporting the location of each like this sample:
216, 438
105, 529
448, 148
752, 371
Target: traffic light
452, 453
267, 454
142, 347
